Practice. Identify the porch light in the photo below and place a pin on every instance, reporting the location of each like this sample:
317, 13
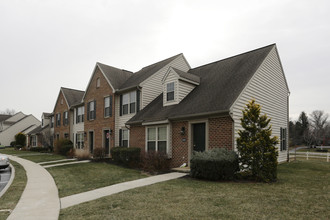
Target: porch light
183, 131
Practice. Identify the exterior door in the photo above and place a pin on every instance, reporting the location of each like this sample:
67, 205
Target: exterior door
106, 135
91, 141
199, 137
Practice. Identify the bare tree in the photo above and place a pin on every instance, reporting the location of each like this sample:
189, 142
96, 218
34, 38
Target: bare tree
8, 112
319, 124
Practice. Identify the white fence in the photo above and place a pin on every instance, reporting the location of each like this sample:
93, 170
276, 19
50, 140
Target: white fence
309, 155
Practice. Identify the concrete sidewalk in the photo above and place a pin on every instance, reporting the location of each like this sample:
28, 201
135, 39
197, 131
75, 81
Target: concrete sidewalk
64, 164
120, 187
40, 197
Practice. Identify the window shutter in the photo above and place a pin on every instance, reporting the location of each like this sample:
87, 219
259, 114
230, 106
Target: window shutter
63, 118
59, 119
284, 134
121, 105
110, 106
281, 139
94, 110
88, 110
137, 100
77, 114
120, 137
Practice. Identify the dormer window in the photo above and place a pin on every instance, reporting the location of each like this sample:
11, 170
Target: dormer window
170, 91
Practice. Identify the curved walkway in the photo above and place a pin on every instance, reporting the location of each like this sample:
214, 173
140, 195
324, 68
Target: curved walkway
40, 197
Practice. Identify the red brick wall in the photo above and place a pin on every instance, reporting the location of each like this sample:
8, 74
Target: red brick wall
100, 123
137, 137
221, 133
179, 147
61, 107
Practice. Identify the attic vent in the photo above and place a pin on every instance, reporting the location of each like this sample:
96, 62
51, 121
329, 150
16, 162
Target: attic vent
97, 82
61, 101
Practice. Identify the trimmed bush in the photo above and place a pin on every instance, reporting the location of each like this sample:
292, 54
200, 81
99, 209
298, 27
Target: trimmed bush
20, 139
216, 164
39, 149
99, 153
155, 162
13, 143
64, 146
126, 156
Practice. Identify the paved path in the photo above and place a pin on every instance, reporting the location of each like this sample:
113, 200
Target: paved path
56, 161
40, 197
120, 187
69, 163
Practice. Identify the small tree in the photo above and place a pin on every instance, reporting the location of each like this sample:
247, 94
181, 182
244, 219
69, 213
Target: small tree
256, 147
20, 139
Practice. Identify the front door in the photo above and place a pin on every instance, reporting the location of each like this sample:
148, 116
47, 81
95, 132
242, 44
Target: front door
106, 135
91, 141
199, 137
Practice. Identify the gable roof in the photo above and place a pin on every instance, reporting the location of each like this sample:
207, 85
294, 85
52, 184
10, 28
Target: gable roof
72, 96
146, 72
4, 117
221, 83
185, 76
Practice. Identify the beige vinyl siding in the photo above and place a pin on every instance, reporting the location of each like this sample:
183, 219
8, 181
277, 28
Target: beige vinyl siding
184, 89
268, 87
152, 87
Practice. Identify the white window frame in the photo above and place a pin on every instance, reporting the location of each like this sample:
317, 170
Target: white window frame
34, 141
66, 118
80, 112
122, 137
80, 140
58, 119
129, 99
167, 91
157, 138
107, 106
52, 122
91, 110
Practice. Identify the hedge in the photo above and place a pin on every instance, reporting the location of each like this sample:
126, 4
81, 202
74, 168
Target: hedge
215, 164
126, 156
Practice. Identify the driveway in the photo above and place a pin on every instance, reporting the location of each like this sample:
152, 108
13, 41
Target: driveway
4, 177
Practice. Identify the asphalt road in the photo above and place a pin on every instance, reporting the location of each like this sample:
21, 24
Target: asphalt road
4, 177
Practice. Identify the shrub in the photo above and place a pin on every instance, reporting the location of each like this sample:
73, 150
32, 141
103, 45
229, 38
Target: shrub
154, 162
99, 153
20, 139
13, 143
82, 154
126, 156
63, 147
215, 164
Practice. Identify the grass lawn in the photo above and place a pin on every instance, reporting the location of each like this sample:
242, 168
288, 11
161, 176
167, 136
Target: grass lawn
302, 192
77, 178
12, 151
13, 194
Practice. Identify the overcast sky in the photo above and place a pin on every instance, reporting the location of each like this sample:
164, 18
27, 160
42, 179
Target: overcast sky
48, 44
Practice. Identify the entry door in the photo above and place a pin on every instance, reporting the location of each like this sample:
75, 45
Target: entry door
199, 137
106, 135
91, 141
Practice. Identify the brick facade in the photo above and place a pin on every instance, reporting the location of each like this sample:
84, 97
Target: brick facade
61, 106
180, 144
100, 123
221, 133
137, 137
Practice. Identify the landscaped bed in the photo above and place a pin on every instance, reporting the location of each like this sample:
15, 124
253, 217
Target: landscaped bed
301, 192
77, 178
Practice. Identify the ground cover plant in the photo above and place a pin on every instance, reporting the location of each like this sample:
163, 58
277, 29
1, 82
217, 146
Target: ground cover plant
77, 178
301, 192
13, 194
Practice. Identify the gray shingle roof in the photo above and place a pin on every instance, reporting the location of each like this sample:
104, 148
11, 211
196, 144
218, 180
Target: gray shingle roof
221, 83
146, 72
188, 76
115, 76
4, 117
73, 96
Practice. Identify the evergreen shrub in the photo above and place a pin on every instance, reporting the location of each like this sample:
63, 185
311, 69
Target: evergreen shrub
215, 164
64, 146
20, 139
126, 156
154, 162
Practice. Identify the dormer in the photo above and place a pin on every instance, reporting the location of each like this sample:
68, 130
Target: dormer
177, 85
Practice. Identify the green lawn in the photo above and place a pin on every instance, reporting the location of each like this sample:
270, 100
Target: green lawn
13, 194
302, 192
12, 151
77, 178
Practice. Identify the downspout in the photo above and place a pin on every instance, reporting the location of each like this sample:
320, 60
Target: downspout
288, 138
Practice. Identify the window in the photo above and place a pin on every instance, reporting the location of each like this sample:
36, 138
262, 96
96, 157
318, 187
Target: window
52, 122
98, 82
170, 91
79, 140
108, 106
91, 110
80, 111
282, 139
157, 139
34, 141
124, 138
129, 103
58, 119
65, 118
66, 135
